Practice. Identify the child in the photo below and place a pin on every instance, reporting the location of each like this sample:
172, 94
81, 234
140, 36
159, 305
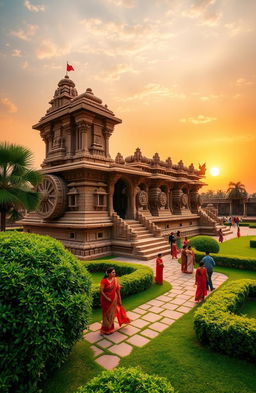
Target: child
159, 270
201, 280
174, 250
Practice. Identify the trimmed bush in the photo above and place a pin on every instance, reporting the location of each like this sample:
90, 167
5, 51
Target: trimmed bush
253, 243
252, 226
217, 324
127, 380
133, 278
45, 301
204, 243
237, 262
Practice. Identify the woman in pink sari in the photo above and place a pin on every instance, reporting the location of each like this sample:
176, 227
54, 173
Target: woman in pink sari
159, 270
201, 280
111, 304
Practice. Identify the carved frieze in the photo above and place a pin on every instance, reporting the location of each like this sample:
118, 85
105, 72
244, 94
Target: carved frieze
142, 198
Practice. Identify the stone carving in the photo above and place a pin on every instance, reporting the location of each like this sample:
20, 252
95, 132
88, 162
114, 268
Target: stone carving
162, 198
184, 200
202, 169
119, 159
53, 197
142, 198
157, 198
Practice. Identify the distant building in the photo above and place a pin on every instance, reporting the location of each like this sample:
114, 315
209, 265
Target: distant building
98, 206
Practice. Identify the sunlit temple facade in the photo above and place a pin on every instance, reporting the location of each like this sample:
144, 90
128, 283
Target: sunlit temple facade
100, 206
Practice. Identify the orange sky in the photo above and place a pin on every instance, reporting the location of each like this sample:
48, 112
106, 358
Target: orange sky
179, 73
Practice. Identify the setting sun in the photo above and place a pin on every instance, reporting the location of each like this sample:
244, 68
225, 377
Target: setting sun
214, 171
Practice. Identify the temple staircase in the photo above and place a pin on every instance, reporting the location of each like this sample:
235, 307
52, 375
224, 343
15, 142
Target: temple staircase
146, 245
214, 223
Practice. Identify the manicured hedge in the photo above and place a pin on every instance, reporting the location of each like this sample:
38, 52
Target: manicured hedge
127, 380
45, 302
237, 262
132, 277
253, 243
217, 325
204, 243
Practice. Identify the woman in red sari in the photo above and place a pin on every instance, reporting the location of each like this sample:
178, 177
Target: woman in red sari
201, 280
184, 259
159, 270
111, 304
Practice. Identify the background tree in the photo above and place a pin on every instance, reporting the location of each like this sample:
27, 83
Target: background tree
236, 190
16, 181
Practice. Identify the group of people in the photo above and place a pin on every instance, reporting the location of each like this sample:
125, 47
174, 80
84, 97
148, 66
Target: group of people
233, 221
176, 244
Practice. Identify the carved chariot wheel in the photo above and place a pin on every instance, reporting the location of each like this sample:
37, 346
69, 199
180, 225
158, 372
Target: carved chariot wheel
184, 200
53, 197
142, 198
162, 199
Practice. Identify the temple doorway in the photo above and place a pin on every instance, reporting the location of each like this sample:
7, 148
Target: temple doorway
120, 198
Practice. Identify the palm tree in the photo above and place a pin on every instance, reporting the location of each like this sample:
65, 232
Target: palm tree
236, 190
16, 181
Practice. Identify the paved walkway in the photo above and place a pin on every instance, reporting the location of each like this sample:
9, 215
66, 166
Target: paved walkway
151, 318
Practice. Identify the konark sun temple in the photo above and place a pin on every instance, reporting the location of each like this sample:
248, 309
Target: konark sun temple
97, 206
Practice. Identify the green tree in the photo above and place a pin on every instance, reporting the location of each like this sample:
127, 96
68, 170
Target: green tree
236, 190
17, 180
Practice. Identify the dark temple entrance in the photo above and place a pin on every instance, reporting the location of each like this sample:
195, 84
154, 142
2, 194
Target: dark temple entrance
120, 199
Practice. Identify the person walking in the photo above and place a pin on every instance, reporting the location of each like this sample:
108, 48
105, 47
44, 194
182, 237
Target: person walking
159, 270
221, 236
200, 282
186, 241
174, 250
238, 231
178, 240
190, 260
208, 264
111, 304
171, 239
184, 259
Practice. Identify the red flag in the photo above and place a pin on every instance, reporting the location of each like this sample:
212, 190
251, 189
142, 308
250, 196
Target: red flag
69, 68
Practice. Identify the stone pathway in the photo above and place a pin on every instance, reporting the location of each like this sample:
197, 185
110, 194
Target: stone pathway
149, 319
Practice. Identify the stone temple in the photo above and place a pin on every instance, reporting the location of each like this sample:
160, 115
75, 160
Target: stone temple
98, 206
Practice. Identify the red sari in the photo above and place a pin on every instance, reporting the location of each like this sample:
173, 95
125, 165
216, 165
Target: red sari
174, 251
111, 309
184, 261
201, 280
159, 271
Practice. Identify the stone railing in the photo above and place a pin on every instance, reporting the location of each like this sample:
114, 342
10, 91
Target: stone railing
205, 219
122, 230
212, 215
153, 228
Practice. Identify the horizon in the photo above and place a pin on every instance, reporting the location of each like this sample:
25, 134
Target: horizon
179, 74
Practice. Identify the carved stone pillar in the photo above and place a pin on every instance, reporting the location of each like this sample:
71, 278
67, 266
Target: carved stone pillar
195, 201
157, 200
107, 133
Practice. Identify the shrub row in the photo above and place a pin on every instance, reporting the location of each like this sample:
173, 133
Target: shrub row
133, 278
45, 302
204, 243
237, 262
216, 323
244, 224
127, 380
253, 243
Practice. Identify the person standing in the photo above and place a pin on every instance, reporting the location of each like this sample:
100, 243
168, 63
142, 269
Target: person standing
178, 240
174, 250
190, 260
221, 237
159, 270
111, 304
184, 259
208, 264
200, 282
238, 231
186, 241
171, 239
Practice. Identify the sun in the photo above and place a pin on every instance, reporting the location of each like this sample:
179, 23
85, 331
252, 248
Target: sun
214, 171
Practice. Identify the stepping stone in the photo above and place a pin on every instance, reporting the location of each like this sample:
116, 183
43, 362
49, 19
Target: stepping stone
95, 326
140, 323
189, 303
184, 309
155, 302
164, 298
168, 321
139, 311
108, 361
122, 349
178, 301
158, 326
170, 306
145, 306
129, 330
138, 340
117, 337
186, 297
149, 333
155, 309
132, 315
104, 343
97, 351
93, 337
151, 317
172, 314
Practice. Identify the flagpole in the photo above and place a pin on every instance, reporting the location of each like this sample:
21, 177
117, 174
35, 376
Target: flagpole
67, 69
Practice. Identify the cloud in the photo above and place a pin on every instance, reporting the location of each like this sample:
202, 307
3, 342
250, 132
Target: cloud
123, 3
154, 90
7, 105
33, 8
235, 28
26, 34
240, 82
48, 49
203, 9
16, 53
115, 72
200, 119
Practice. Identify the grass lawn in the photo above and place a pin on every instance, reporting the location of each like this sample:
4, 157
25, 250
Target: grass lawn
175, 354
239, 247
